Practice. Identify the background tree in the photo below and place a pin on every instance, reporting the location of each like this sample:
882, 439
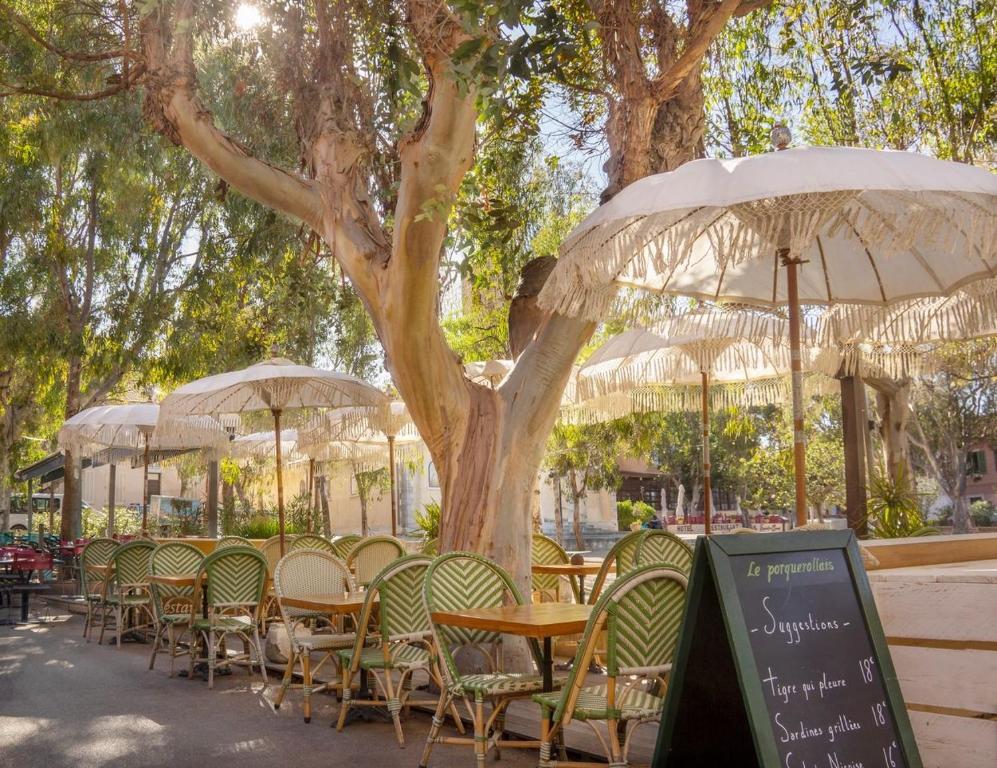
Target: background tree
954, 409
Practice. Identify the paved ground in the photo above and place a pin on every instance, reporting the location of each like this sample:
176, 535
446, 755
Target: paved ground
65, 703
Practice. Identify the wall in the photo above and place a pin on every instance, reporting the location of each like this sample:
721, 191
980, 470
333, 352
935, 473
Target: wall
128, 485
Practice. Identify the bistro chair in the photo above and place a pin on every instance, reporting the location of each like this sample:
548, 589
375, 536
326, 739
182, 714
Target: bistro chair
311, 541
461, 580
640, 615
299, 573
128, 589
172, 607
547, 586
232, 541
666, 548
623, 556
233, 591
93, 583
372, 555
405, 644
343, 546
271, 550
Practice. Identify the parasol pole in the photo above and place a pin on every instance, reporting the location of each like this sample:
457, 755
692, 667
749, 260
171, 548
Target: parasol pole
280, 478
112, 477
311, 493
391, 485
799, 433
145, 485
781, 137
707, 491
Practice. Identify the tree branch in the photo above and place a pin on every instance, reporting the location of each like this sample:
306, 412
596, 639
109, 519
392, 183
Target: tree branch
174, 108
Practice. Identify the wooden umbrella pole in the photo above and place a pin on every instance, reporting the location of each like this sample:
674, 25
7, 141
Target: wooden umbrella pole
145, 486
311, 493
112, 476
799, 432
707, 490
280, 479
391, 485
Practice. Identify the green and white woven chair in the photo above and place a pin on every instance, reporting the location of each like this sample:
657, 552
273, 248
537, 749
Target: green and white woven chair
172, 607
622, 556
311, 541
93, 583
666, 548
372, 555
305, 572
236, 577
405, 643
547, 586
461, 580
640, 614
271, 551
128, 589
343, 545
232, 541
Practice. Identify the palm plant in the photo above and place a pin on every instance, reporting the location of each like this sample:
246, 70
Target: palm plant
893, 511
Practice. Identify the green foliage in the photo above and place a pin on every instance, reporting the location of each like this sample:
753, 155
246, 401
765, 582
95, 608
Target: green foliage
629, 512
126, 521
427, 520
982, 513
893, 509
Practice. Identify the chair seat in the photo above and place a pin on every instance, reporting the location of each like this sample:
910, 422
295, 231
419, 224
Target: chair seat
325, 642
592, 703
402, 657
502, 683
128, 599
175, 618
223, 623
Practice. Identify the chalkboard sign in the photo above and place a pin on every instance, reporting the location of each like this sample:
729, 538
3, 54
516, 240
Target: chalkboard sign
782, 662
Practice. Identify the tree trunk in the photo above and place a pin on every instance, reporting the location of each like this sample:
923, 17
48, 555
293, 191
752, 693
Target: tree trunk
323, 494
893, 404
576, 509
70, 487
5, 490
228, 507
558, 511
961, 520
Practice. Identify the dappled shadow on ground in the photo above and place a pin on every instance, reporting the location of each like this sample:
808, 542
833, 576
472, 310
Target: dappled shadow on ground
68, 703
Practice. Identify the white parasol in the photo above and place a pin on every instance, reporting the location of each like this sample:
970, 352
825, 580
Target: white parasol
743, 355
138, 426
362, 435
276, 385
847, 225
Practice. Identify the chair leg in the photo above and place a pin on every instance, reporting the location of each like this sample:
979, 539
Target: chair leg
480, 735
211, 659
117, 625
306, 678
286, 682
434, 730
545, 745
86, 620
155, 645
346, 678
259, 656
395, 704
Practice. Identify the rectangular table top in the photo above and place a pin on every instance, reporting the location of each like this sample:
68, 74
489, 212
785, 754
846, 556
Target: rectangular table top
349, 602
538, 620
567, 569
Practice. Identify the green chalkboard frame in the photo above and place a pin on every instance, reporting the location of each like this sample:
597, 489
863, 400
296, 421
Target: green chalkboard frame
711, 562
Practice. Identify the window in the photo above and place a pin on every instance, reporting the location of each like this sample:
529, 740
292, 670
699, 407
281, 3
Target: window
976, 463
432, 478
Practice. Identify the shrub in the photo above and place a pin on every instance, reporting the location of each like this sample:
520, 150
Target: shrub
427, 520
982, 512
628, 512
893, 509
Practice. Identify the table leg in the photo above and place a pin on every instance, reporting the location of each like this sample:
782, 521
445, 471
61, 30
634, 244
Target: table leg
548, 662
25, 597
581, 588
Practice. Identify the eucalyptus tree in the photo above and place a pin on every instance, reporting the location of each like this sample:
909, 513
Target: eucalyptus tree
358, 119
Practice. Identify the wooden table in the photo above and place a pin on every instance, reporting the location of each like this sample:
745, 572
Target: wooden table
572, 571
540, 621
328, 603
